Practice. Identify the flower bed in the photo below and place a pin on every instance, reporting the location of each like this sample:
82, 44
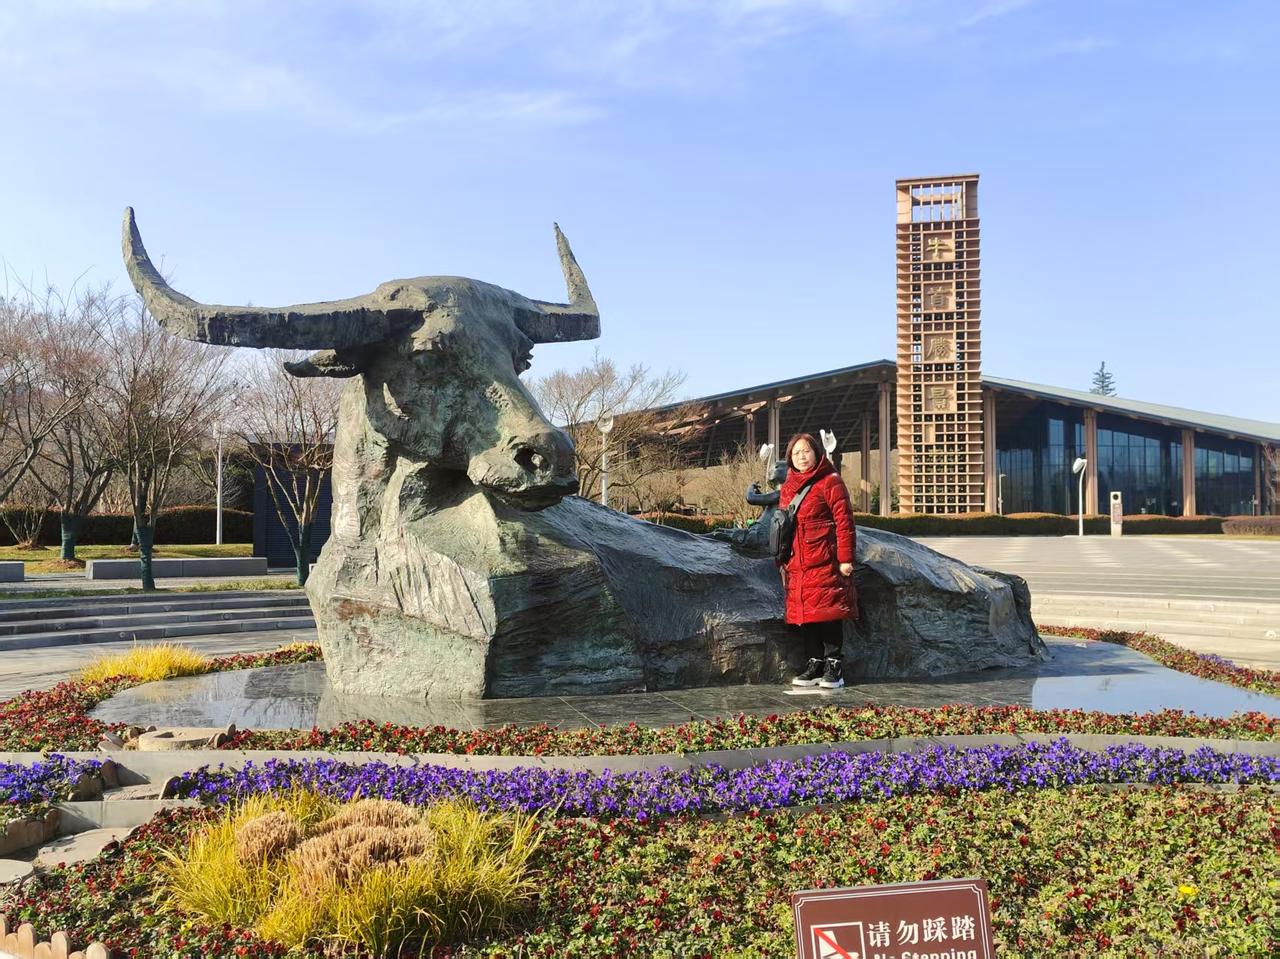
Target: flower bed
1204, 665
835, 777
1085, 872
820, 725
59, 719
51, 781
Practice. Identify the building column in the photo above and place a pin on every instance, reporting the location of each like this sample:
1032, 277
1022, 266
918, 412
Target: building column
1258, 504
774, 413
886, 433
1090, 504
864, 464
989, 450
1188, 472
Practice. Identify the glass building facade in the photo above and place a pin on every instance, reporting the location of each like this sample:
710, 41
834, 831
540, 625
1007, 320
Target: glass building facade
1034, 452
1143, 461
1037, 441
1224, 477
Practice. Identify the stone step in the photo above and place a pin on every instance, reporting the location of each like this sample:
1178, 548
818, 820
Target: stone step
1191, 610
78, 847
15, 632
1158, 627
283, 620
96, 602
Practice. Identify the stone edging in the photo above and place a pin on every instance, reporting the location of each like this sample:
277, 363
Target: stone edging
153, 767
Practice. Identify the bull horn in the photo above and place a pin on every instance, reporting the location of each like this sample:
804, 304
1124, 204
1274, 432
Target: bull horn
337, 325
579, 319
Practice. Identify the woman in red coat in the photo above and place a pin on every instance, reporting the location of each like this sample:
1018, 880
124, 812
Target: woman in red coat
818, 578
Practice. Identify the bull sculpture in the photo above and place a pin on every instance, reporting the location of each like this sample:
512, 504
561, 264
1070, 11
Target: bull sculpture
459, 563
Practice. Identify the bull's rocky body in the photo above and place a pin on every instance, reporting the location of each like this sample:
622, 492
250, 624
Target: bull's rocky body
461, 565
479, 599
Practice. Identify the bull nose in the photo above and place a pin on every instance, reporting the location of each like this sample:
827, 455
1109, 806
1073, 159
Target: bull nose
537, 469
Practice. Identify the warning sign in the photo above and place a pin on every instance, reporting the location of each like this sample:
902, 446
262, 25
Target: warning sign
841, 940
944, 919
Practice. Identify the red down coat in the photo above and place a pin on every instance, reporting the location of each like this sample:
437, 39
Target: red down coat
816, 592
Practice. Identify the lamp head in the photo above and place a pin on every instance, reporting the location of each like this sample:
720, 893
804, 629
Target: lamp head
1079, 465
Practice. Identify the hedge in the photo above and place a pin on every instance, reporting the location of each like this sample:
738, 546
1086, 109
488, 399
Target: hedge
989, 524
177, 525
1252, 525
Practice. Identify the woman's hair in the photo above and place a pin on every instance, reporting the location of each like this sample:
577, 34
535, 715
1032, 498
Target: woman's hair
814, 445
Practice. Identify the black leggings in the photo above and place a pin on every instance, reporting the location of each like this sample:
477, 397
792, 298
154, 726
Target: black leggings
822, 639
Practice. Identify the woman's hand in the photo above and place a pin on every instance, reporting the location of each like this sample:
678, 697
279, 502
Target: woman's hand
846, 570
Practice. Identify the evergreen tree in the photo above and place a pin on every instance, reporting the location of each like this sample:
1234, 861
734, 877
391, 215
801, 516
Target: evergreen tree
1103, 382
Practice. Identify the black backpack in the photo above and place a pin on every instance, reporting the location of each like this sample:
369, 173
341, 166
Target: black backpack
782, 524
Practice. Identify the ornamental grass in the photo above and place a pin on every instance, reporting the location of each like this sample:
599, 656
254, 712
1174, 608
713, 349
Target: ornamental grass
370, 877
146, 663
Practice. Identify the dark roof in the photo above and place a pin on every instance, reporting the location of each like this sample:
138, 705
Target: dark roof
1259, 430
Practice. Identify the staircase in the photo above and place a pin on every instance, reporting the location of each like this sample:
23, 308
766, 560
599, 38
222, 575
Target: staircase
1246, 632
69, 621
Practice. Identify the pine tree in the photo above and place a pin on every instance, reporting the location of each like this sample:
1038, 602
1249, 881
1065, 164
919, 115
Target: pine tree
1103, 382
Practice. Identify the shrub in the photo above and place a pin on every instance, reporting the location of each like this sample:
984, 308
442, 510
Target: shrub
265, 839
147, 664
1252, 525
178, 525
983, 524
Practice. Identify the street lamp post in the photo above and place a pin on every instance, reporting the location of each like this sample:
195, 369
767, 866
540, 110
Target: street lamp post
218, 528
1078, 468
1000, 494
605, 423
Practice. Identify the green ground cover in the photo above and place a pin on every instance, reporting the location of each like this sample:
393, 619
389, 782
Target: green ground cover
44, 559
211, 587
1169, 872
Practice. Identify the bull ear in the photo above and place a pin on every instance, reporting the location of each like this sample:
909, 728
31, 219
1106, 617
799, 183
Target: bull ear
336, 363
579, 319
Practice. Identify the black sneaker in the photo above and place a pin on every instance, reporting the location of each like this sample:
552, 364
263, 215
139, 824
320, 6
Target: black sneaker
832, 674
811, 675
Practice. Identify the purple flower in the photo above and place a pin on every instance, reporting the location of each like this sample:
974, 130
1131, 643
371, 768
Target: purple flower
818, 780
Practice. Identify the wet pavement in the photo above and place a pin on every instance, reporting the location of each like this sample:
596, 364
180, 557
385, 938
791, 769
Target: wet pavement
1080, 675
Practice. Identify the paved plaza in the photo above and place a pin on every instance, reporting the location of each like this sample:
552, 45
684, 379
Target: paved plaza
1172, 567
1199, 584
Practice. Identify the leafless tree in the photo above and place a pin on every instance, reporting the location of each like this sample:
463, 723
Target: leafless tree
76, 461
639, 445
163, 396
286, 426
25, 511
721, 489
42, 378
1270, 479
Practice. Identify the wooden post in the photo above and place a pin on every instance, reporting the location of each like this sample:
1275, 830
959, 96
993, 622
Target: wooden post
1090, 504
886, 437
1188, 472
864, 463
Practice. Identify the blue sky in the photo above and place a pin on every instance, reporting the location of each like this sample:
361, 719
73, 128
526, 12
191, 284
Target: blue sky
725, 170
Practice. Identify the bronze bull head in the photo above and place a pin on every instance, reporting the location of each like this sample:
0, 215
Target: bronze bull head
438, 360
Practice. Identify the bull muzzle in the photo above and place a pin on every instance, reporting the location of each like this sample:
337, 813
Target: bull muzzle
532, 472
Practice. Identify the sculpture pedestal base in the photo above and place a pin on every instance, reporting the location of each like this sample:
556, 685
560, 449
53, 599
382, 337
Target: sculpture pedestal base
479, 599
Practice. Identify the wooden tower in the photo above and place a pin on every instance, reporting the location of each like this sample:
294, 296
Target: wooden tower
939, 391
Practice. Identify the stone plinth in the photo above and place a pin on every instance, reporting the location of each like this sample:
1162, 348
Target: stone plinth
479, 599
